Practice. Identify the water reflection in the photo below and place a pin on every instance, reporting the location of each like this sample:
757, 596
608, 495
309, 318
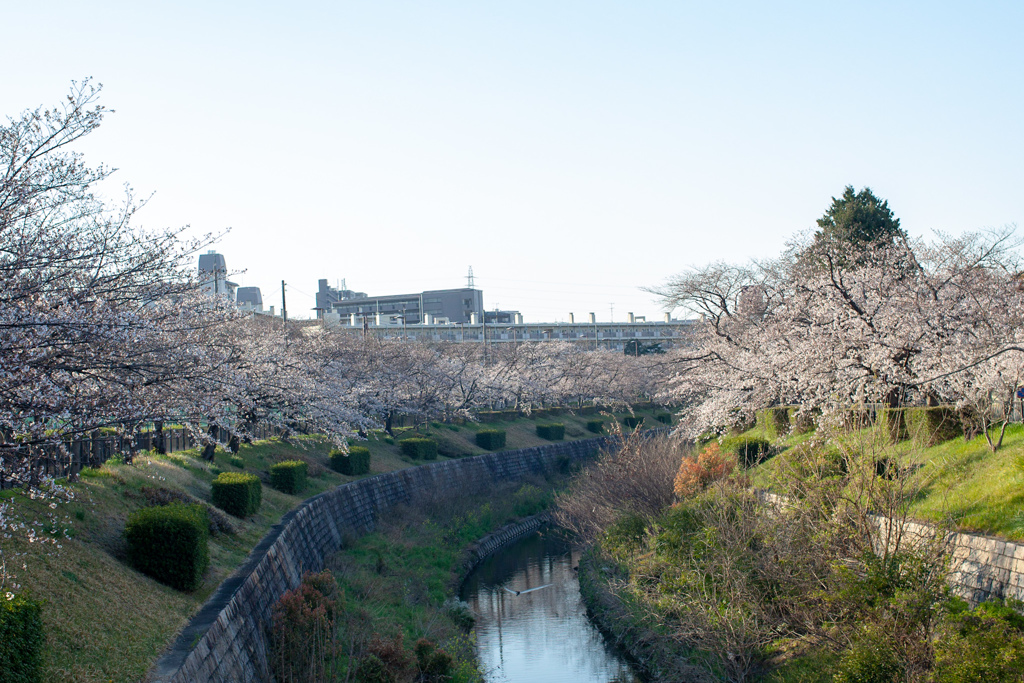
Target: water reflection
541, 635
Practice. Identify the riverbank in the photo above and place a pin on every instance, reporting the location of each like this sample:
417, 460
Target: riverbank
399, 583
629, 627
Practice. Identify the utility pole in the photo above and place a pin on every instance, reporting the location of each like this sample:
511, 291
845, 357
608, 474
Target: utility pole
284, 305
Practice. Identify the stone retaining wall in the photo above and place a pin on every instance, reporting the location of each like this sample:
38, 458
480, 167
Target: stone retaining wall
226, 640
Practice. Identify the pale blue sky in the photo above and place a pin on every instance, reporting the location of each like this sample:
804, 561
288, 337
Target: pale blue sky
570, 152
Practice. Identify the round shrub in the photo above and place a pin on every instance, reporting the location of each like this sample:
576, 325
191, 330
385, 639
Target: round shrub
551, 432
236, 461
237, 493
354, 463
21, 639
170, 543
632, 421
490, 439
417, 447
289, 476
595, 426
664, 418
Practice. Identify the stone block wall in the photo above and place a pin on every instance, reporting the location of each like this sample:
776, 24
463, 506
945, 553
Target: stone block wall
226, 640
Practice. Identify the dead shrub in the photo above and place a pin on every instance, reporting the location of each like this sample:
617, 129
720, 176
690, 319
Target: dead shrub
634, 476
695, 475
304, 647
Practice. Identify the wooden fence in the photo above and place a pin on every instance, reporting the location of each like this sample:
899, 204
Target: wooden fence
71, 456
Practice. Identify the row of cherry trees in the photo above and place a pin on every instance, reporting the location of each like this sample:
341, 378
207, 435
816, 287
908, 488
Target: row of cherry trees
104, 325
857, 318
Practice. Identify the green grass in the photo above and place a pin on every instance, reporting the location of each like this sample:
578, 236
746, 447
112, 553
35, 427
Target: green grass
958, 482
106, 622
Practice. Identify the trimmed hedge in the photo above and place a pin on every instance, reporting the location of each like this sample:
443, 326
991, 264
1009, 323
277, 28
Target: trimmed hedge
632, 421
774, 421
418, 447
750, 452
237, 462
933, 425
551, 432
356, 462
596, 426
289, 476
21, 639
664, 418
491, 439
894, 421
803, 422
237, 493
170, 543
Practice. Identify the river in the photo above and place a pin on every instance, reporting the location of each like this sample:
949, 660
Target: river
541, 635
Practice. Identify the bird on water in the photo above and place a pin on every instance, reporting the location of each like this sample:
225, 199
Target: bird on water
528, 590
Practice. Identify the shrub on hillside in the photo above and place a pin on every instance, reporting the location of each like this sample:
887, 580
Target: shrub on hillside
21, 639
419, 448
749, 451
237, 493
774, 422
490, 439
595, 426
664, 418
695, 474
933, 425
433, 663
236, 461
551, 432
632, 421
289, 476
354, 463
170, 543
894, 422
984, 644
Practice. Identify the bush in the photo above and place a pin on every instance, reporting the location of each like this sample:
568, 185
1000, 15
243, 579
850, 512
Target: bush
986, 644
934, 425
871, 658
417, 447
170, 543
632, 421
596, 426
237, 462
551, 432
695, 475
433, 663
774, 422
302, 637
372, 670
802, 422
664, 418
490, 439
894, 421
21, 639
356, 462
237, 493
289, 476
750, 452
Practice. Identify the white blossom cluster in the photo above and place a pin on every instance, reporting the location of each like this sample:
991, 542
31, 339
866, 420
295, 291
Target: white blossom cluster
904, 323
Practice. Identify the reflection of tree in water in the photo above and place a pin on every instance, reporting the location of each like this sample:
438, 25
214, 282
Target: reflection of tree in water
537, 635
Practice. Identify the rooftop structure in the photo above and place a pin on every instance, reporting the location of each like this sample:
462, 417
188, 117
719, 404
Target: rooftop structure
213, 275
452, 305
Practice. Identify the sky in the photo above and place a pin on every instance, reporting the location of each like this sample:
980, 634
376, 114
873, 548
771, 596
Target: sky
572, 153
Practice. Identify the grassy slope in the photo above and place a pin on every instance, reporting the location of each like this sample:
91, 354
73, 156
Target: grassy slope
106, 622
965, 483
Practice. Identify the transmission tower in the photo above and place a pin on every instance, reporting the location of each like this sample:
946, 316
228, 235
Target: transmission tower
469, 279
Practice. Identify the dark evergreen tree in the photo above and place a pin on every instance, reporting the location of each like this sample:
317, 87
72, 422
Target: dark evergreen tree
857, 221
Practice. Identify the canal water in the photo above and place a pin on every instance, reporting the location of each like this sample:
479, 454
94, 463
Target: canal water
541, 635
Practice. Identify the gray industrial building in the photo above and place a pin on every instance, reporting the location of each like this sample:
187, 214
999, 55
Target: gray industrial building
440, 305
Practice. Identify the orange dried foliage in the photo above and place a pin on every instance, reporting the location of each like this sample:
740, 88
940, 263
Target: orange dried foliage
695, 475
